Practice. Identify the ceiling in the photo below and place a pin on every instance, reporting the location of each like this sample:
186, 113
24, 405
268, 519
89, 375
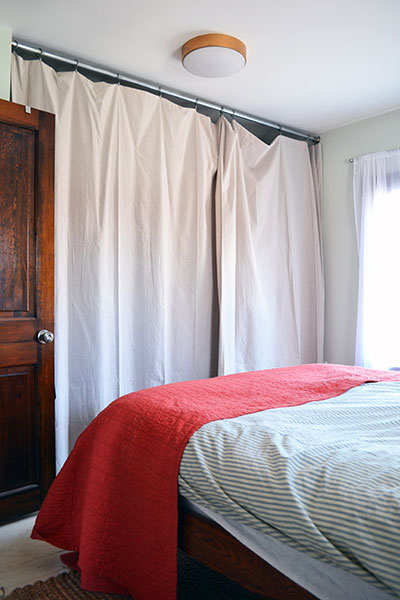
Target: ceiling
312, 64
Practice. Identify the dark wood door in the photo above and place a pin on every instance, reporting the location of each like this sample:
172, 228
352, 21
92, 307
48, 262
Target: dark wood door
26, 308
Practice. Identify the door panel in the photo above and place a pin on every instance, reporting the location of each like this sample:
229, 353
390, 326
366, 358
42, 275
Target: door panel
26, 307
18, 438
17, 244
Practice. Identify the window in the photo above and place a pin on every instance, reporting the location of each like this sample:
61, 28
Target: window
377, 207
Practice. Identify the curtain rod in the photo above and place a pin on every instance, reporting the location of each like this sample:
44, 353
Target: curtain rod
16, 45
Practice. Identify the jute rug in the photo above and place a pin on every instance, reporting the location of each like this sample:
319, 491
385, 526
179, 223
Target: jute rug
195, 582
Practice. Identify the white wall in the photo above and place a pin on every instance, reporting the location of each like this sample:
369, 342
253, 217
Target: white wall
340, 249
5, 62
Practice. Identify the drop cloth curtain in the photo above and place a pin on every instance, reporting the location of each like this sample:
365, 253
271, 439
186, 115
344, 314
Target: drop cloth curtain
133, 241
376, 188
139, 244
269, 253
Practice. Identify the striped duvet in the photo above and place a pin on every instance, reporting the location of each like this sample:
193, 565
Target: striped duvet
323, 477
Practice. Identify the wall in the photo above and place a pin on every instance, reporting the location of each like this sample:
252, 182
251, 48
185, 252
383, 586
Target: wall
340, 246
5, 61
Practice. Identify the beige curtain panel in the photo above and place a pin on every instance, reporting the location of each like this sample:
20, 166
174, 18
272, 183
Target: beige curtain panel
269, 253
184, 248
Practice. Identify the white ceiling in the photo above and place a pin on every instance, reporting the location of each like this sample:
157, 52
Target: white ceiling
312, 64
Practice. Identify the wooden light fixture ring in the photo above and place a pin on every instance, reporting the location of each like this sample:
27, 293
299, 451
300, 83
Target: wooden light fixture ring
214, 39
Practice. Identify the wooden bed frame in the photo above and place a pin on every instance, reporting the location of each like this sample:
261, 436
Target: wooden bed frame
210, 544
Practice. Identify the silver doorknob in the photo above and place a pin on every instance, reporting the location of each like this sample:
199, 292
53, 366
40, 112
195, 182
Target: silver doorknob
45, 337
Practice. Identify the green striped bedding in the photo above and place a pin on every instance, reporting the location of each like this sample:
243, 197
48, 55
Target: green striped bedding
323, 477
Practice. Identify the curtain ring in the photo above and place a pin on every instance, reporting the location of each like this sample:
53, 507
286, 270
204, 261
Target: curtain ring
196, 103
15, 47
76, 65
118, 79
159, 91
40, 54
221, 111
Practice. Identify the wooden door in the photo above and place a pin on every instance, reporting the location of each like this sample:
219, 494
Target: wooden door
26, 308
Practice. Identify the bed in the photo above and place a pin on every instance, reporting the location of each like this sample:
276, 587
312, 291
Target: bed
114, 504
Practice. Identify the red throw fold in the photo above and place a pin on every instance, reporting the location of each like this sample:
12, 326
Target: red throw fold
114, 502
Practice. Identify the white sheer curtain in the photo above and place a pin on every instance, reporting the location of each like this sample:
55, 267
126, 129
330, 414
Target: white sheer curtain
269, 253
134, 273
137, 222
376, 186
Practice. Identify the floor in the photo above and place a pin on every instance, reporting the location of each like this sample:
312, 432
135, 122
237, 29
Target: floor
22, 560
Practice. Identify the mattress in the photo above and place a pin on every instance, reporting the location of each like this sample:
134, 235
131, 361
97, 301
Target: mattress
321, 479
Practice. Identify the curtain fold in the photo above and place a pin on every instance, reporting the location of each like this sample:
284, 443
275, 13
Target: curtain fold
376, 191
269, 253
316, 172
183, 248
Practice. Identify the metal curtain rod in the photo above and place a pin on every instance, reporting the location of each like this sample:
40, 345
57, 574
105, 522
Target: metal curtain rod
157, 89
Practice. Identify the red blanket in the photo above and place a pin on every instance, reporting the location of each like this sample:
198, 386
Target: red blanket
114, 502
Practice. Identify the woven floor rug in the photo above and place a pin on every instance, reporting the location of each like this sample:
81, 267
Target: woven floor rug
195, 582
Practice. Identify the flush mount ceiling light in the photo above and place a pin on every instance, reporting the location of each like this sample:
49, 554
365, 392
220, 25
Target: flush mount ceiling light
214, 55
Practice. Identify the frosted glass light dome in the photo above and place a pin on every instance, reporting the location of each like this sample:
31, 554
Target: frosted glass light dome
214, 55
